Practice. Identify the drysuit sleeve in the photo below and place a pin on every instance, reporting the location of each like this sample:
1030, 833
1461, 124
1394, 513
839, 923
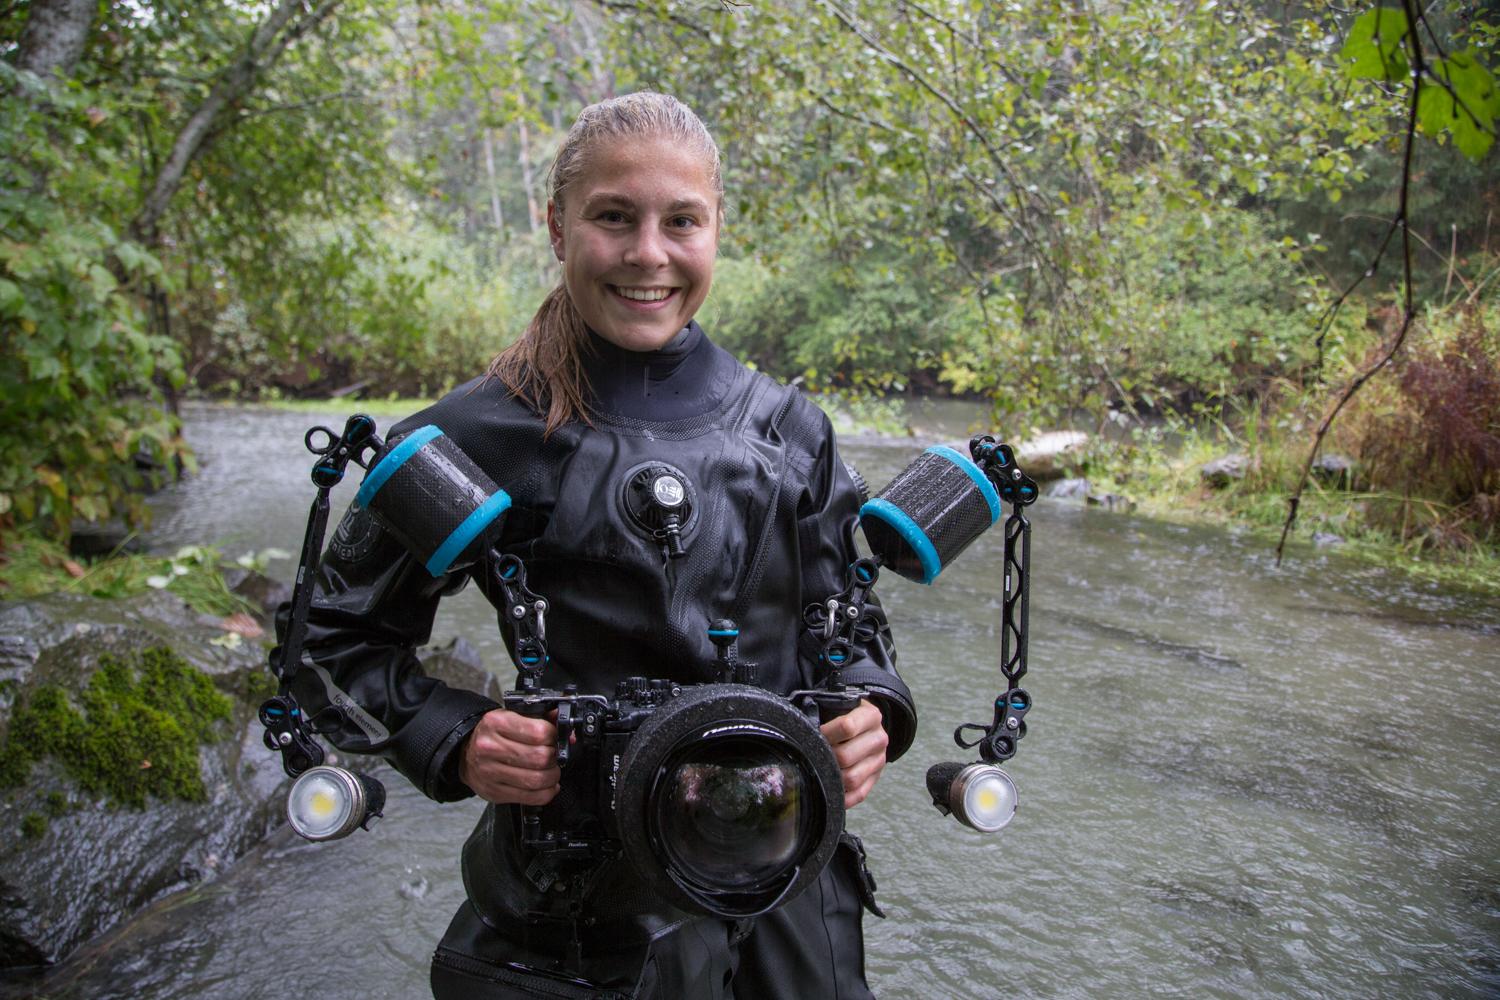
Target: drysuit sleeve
372, 607
826, 520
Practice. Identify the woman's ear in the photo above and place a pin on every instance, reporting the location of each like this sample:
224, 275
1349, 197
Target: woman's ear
555, 228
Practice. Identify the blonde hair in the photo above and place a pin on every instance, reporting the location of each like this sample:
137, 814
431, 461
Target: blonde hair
545, 365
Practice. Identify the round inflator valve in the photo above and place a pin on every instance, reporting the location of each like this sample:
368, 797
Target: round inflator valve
659, 501
730, 801
657, 492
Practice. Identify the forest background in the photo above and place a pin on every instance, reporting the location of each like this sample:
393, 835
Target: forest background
1192, 227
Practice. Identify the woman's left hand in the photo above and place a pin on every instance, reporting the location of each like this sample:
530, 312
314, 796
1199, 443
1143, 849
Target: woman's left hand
858, 740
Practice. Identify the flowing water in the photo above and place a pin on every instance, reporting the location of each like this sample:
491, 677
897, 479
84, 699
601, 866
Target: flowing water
1238, 781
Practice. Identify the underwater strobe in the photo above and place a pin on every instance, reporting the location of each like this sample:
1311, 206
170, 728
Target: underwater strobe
916, 526
437, 502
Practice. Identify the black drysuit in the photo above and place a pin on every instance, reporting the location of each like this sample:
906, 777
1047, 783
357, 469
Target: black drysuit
771, 530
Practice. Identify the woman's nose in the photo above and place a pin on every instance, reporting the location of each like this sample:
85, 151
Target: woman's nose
647, 249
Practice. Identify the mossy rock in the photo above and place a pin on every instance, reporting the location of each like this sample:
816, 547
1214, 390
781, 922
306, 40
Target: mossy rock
135, 731
130, 762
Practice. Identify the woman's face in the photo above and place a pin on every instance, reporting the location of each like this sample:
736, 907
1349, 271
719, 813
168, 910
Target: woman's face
637, 239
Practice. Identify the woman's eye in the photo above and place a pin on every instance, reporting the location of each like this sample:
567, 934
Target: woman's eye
612, 216
682, 222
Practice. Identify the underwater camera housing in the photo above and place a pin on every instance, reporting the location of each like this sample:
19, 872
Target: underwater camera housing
724, 797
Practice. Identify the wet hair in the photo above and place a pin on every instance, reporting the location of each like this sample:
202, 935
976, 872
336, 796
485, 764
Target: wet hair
545, 365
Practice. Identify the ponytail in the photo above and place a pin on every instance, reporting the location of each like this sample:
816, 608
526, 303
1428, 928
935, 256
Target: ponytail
544, 366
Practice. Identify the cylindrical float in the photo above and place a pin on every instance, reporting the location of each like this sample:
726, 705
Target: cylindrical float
434, 500
929, 513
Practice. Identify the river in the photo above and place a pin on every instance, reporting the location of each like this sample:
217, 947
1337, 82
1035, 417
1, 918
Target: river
1238, 781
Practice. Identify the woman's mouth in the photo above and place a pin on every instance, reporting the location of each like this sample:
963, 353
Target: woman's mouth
645, 295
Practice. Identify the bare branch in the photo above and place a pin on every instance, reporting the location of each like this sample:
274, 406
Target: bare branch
1409, 313
285, 24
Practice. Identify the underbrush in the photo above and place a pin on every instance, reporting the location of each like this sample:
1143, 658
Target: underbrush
1422, 488
33, 566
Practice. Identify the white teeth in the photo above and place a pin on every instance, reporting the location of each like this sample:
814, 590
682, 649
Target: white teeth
644, 294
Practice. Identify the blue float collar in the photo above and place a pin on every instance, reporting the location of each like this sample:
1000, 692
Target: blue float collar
467, 531
910, 533
393, 460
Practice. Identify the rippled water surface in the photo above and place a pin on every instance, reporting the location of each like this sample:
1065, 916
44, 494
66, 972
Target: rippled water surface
1238, 781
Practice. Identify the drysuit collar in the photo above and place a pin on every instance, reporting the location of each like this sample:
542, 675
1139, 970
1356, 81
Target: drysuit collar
685, 378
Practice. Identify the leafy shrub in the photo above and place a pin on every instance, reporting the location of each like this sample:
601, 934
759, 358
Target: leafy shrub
1436, 450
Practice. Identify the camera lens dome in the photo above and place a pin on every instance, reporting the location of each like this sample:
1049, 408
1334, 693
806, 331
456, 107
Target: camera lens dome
729, 801
732, 812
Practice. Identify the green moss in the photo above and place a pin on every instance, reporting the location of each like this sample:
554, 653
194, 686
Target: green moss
33, 826
260, 684
56, 804
134, 733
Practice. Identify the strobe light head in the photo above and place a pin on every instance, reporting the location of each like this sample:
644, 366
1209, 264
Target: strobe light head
980, 796
327, 803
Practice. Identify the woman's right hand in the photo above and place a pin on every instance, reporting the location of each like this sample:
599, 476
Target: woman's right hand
511, 758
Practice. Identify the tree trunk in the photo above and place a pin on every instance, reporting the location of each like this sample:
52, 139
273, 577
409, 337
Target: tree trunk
489, 169
285, 24
55, 35
533, 214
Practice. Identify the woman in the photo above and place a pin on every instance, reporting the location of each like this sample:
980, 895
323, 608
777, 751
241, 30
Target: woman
613, 377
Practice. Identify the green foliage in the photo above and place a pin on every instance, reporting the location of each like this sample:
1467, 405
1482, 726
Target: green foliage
399, 307
1375, 47
1456, 93
32, 565
87, 276
134, 732
77, 394
33, 826
1460, 96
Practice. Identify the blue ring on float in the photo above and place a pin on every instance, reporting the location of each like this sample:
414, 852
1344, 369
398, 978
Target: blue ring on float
910, 532
393, 460
467, 531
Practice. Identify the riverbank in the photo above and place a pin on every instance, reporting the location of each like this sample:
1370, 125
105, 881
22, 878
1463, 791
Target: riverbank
1194, 476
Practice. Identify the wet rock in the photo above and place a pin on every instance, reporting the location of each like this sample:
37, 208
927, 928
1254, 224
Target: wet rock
1222, 471
1046, 456
72, 863
1335, 470
92, 541
257, 588
459, 665
1326, 540
1069, 489
1111, 501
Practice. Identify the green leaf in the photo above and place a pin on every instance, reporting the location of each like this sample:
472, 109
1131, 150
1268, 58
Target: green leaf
1462, 98
1373, 50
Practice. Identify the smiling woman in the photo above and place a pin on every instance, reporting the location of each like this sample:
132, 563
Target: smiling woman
636, 201
637, 237
663, 498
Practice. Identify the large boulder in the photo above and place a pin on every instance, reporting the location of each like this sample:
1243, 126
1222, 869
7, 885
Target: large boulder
1048, 455
1222, 471
75, 856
